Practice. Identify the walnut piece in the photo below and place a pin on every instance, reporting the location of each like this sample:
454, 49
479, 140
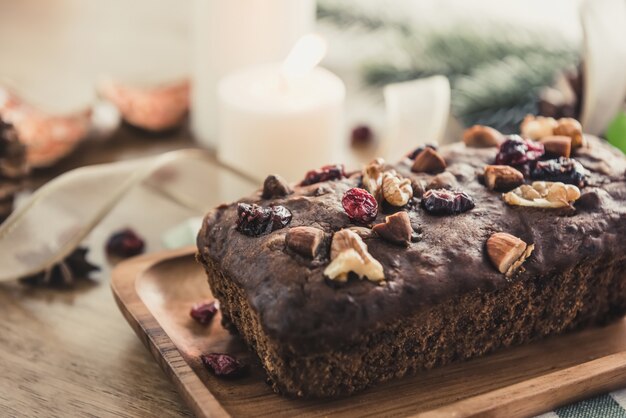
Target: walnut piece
537, 127
396, 191
349, 253
543, 194
373, 178
507, 252
480, 136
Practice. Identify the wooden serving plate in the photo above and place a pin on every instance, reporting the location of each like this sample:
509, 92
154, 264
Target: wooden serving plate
156, 291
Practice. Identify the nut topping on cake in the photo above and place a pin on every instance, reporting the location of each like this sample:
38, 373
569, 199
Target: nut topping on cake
396, 229
537, 127
373, 178
480, 136
360, 206
275, 186
557, 145
349, 253
428, 161
507, 252
396, 191
446, 202
304, 240
445, 180
417, 151
572, 128
502, 177
543, 194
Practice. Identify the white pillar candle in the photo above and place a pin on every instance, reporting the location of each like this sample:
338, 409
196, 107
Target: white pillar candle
281, 119
232, 34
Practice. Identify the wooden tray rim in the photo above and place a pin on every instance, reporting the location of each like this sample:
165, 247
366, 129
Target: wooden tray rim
607, 373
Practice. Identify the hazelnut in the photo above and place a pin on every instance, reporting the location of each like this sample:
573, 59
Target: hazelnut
543, 194
349, 253
396, 229
507, 252
572, 128
304, 240
537, 127
558, 145
373, 178
502, 177
429, 161
275, 186
480, 136
443, 180
396, 191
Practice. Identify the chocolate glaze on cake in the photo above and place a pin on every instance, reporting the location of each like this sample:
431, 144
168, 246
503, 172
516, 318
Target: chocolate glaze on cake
442, 299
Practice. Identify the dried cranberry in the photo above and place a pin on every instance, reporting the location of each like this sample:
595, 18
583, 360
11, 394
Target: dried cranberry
446, 202
254, 220
516, 151
417, 151
203, 312
360, 206
326, 173
565, 170
223, 365
125, 243
362, 136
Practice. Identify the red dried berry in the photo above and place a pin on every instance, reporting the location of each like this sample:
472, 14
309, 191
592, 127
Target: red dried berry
446, 202
417, 151
360, 205
516, 151
254, 220
203, 312
223, 365
125, 243
326, 173
565, 170
362, 136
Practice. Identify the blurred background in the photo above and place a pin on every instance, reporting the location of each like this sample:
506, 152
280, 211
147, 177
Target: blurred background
71, 70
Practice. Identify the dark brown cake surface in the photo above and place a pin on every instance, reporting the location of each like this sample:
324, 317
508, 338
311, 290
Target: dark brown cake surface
298, 306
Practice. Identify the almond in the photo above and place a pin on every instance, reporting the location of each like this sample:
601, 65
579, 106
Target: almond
445, 180
429, 161
304, 240
507, 252
572, 128
396, 229
275, 186
558, 145
502, 177
480, 136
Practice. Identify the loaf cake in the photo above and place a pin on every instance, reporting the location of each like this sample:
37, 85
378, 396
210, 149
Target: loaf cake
13, 167
346, 280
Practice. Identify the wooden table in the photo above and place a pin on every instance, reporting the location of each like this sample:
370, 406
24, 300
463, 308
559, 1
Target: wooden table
70, 352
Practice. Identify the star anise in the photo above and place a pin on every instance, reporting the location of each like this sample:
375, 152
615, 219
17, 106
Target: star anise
72, 268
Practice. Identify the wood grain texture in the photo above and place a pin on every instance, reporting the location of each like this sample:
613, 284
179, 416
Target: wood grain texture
156, 292
69, 352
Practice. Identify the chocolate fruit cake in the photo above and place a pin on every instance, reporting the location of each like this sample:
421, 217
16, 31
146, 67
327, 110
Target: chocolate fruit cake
348, 280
